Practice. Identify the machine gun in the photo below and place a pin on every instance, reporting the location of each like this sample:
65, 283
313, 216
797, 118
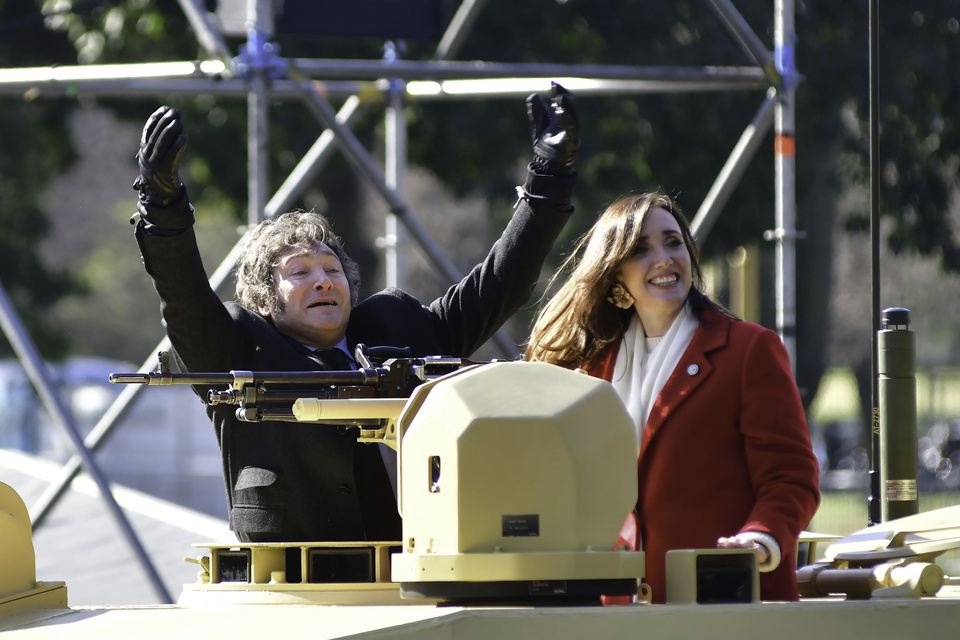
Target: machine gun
371, 397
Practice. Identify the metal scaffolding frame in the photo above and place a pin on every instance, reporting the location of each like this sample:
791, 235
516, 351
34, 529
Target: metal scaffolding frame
259, 75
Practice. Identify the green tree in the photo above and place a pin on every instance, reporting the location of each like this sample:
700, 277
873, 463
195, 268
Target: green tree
36, 147
918, 142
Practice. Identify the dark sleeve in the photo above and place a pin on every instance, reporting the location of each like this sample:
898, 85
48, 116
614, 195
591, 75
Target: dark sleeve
200, 328
471, 311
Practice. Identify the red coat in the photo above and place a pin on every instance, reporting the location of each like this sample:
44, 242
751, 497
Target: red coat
726, 449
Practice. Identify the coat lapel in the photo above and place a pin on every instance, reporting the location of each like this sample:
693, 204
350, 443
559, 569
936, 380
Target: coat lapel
692, 371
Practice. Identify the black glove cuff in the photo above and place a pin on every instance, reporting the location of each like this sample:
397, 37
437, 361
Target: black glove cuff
551, 188
547, 166
166, 219
152, 198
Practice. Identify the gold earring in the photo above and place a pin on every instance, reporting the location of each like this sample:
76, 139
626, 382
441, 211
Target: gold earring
620, 297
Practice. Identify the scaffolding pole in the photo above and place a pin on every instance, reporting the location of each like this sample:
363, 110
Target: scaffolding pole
458, 29
395, 164
259, 50
729, 177
745, 37
208, 36
785, 235
365, 78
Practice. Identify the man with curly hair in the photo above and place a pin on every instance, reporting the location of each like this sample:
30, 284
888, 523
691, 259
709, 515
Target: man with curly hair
298, 293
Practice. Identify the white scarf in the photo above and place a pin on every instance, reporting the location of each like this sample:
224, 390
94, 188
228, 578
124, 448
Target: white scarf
639, 373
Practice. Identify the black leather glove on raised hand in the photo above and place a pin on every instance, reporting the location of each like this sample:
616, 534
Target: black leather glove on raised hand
163, 203
161, 146
555, 129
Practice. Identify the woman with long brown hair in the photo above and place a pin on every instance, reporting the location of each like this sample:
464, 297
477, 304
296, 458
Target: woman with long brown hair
724, 455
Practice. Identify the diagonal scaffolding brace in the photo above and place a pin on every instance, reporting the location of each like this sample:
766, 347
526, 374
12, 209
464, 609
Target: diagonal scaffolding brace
42, 381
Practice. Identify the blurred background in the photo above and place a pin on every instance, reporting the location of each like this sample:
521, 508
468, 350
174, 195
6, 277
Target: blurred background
70, 265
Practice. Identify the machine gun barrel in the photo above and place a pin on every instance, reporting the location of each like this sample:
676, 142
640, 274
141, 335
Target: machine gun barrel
362, 377
167, 378
371, 397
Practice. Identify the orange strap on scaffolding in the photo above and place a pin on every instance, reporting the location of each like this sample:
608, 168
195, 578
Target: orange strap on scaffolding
784, 145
